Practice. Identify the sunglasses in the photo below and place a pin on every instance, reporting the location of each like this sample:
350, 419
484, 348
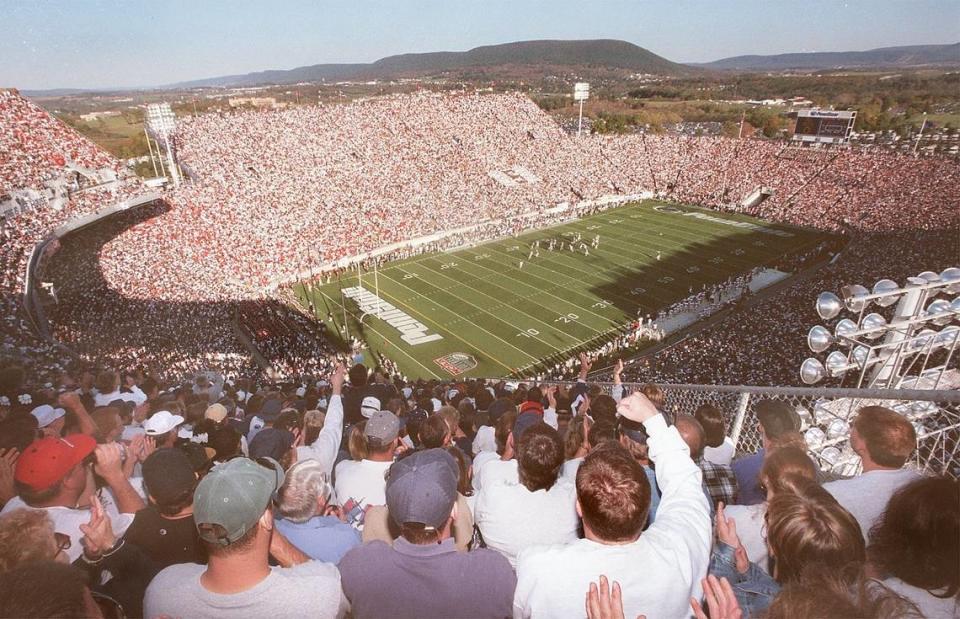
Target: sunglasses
63, 543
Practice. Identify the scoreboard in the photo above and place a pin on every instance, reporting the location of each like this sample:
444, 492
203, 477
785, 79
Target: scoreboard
826, 126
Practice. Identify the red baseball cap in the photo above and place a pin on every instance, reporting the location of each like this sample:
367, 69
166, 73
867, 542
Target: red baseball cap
48, 460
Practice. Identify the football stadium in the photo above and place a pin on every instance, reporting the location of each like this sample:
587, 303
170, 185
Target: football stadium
434, 351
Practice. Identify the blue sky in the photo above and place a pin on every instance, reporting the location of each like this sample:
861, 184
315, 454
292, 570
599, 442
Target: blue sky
108, 43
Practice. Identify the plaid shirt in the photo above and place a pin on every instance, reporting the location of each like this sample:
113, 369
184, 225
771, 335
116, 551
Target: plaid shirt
719, 482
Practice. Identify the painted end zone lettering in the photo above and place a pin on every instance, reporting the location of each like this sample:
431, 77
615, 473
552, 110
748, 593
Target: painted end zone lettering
411, 330
720, 220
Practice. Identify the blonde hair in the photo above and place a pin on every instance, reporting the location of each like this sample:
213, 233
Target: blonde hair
26, 535
574, 437
357, 441
305, 482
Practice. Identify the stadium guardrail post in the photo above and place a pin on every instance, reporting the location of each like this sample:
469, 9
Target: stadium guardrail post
738, 420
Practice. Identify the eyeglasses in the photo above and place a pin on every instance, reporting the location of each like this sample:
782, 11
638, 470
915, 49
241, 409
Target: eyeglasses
63, 543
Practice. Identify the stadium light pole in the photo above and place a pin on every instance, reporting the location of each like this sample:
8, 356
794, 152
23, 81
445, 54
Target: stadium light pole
916, 144
581, 92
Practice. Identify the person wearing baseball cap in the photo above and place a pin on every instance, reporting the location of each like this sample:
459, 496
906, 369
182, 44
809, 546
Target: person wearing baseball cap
54, 475
165, 530
775, 419
360, 483
162, 426
232, 508
50, 420
411, 577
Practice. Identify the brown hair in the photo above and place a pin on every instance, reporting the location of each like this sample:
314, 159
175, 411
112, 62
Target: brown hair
504, 427
433, 432
711, 419
917, 539
107, 420
614, 493
107, 381
574, 437
785, 469
888, 436
808, 529
464, 486
539, 457
827, 596
654, 394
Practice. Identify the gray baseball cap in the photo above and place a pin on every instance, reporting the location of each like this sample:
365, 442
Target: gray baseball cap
422, 488
383, 426
234, 495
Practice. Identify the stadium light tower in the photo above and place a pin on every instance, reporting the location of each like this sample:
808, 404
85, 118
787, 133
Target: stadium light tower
161, 124
892, 353
581, 92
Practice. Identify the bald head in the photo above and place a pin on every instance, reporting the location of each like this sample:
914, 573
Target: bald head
692, 433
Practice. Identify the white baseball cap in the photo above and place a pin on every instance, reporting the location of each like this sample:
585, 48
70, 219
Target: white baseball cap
161, 422
47, 414
370, 406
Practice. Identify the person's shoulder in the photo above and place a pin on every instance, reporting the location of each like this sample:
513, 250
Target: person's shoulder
360, 559
546, 556
310, 569
747, 461
177, 575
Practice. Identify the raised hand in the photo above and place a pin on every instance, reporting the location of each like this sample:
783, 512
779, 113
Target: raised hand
336, 381
637, 407
605, 602
98, 536
721, 601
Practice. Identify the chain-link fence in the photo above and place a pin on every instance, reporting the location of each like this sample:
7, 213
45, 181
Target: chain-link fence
826, 415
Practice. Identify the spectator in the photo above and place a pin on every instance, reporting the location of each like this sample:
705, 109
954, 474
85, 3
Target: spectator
52, 475
915, 543
412, 578
165, 530
162, 427
50, 420
537, 509
719, 448
613, 495
719, 482
305, 517
233, 516
884, 441
783, 470
324, 447
774, 418
361, 483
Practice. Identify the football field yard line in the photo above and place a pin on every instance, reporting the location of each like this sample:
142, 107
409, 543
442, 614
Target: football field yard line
498, 318
385, 338
482, 305
578, 282
541, 291
462, 270
450, 311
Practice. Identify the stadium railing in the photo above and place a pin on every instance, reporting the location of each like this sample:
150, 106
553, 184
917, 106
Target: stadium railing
826, 415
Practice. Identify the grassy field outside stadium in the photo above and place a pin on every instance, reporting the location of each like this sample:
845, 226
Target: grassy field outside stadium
475, 311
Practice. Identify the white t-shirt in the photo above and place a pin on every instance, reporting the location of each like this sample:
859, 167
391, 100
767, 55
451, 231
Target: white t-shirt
512, 518
310, 589
493, 470
67, 520
136, 396
570, 468
658, 573
866, 495
722, 455
324, 449
364, 481
750, 527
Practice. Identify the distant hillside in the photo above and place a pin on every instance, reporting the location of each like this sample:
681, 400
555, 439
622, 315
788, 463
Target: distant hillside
603, 53
893, 57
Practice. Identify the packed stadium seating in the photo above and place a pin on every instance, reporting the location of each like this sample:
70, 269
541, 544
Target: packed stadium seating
276, 193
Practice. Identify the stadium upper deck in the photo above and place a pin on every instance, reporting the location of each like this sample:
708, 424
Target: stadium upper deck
277, 193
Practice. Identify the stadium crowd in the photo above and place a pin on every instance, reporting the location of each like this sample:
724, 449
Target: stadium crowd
277, 195
349, 492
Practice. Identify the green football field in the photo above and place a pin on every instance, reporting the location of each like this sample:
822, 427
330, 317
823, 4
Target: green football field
476, 311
